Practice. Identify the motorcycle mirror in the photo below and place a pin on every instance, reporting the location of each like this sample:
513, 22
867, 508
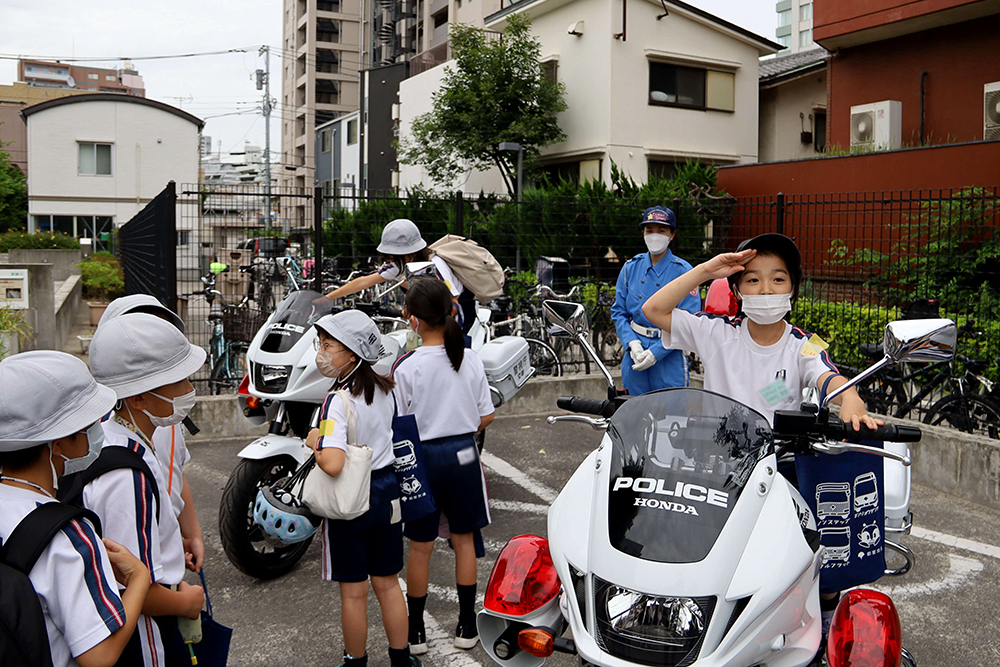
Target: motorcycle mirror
568, 316
921, 340
418, 269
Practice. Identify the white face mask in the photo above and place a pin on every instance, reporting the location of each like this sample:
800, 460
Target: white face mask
324, 362
182, 406
95, 441
657, 243
766, 308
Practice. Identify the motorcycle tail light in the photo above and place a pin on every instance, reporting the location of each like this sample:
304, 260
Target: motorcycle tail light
244, 387
865, 631
536, 641
523, 578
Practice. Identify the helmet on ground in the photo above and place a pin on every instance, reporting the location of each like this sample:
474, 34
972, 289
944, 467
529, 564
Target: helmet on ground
283, 516
401, 237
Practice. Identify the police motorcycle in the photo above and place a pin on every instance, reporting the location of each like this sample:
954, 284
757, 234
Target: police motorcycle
285, 390
678, 543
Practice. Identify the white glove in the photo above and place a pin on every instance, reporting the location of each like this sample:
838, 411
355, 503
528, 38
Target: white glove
641, 359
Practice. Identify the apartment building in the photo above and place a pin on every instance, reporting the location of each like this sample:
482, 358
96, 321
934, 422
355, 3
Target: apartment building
795, 24
54, 74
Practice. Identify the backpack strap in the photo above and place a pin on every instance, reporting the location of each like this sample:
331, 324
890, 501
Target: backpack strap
111, 458
352, 419
33, 534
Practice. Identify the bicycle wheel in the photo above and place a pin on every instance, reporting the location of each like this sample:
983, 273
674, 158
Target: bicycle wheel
609, 347
228, 371
970, 414
543, 359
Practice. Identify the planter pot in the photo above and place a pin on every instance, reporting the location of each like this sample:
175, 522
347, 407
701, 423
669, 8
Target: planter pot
96, 310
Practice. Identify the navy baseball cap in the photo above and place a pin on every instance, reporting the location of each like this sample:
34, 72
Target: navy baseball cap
660, 215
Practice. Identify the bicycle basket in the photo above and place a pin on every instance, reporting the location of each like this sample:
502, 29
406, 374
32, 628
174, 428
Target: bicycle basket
242, 324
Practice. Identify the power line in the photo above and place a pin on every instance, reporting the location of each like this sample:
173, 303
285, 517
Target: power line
75, 59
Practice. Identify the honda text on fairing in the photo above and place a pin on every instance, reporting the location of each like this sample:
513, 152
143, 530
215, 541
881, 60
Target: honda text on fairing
677, 541
285, 390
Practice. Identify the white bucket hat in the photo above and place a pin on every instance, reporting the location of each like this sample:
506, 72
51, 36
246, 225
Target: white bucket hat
356, 331
47, 395
138, 352
401, 237
140, 303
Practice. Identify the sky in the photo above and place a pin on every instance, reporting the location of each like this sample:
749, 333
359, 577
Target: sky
218, 88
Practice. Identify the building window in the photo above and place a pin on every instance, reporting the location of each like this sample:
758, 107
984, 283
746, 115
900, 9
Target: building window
691, 87
352, 132
441, 18
805, 37
183, 237
806, 12
550, 70
819, 131
785, 41
324, 140
95, 159
784, 18
93, 76
110, 77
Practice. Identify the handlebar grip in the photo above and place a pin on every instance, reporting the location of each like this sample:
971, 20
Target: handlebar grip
890, 432
588, 406
391, 312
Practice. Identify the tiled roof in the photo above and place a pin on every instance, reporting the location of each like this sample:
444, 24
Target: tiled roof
771, 68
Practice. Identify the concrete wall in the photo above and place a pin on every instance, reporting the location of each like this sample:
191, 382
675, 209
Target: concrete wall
64, 262
150, 148
68, 300
780, 125
41, 314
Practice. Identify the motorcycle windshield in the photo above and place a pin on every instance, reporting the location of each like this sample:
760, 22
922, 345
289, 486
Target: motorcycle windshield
293, 318
680, 459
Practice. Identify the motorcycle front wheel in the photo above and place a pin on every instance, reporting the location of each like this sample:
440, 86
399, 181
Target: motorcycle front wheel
246, 544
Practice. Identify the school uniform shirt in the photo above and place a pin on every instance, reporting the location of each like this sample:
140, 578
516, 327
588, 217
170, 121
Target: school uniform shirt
444, 273
389, 271
124, 501
638, 280
374, 425
445, 403
737, 367
173, 455
73, 579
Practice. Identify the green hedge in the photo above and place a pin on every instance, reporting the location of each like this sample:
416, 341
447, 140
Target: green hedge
21, 240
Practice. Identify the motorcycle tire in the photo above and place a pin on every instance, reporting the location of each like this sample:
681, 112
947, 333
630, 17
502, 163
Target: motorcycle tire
245, 544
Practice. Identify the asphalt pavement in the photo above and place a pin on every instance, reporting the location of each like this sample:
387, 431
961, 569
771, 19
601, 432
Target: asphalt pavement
948, 602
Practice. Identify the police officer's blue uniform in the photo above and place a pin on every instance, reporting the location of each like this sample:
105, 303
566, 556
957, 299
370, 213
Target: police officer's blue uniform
638, 279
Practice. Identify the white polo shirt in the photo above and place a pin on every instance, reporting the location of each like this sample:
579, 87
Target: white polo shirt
374, 425
391, 272
73, 579
737, 367
172, 453
445, 403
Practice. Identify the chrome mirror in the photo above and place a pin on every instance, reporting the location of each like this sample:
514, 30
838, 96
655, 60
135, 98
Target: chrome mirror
568, 316
920, 340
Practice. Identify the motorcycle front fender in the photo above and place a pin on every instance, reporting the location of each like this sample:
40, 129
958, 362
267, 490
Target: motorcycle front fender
276, 445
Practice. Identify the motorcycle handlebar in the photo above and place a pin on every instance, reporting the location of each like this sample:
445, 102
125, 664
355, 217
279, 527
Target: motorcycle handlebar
888, 432
588, 406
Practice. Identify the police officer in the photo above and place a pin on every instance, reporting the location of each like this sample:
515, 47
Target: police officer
649, 366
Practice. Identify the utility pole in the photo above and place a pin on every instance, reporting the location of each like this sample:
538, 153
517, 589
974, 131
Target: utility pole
264, 81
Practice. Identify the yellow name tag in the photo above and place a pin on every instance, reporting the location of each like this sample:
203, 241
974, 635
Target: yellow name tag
326, 427
814, 346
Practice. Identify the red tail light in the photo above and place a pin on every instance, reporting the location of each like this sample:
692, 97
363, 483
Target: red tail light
536, 641
244, 387
523, 578
720, 300
865, 632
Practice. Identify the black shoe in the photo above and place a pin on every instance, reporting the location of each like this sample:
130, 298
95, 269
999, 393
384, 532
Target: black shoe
466, 636
418, 644
414, 660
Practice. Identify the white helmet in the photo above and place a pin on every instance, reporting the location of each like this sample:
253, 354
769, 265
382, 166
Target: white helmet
401, 237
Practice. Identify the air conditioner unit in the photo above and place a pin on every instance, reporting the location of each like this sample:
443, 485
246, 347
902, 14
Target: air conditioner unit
877, 126
991, 111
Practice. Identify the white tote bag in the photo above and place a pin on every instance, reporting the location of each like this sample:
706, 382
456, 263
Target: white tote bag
345, 496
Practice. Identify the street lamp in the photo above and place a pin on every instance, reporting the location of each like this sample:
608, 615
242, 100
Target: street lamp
514, 146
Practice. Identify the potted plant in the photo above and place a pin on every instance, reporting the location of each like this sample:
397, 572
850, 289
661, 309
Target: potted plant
12, 328
102, 279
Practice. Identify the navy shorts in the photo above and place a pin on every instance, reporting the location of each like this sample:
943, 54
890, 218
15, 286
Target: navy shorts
369, 545
458, 486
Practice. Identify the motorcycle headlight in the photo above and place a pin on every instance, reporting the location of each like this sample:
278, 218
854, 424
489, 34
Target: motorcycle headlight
650, 629
271, 379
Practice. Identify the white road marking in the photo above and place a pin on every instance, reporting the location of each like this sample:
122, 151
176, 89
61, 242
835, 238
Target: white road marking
960, 570
439, 642
515, 506
956, 542
522, 479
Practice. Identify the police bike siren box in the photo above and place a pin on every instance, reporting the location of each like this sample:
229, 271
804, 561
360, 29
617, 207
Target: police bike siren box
507, 366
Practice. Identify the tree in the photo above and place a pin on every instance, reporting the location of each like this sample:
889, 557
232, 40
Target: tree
495, 92
13, 194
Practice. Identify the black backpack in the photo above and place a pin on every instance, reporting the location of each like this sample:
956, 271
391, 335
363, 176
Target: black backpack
111, 458
23, 638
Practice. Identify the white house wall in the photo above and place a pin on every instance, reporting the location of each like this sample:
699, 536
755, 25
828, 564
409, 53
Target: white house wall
150, 148
780, 124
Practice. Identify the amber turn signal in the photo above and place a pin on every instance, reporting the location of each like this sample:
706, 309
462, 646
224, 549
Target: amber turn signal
536, 641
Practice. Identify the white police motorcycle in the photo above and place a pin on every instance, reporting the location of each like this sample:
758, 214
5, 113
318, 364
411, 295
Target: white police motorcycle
285, 390
678, 543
